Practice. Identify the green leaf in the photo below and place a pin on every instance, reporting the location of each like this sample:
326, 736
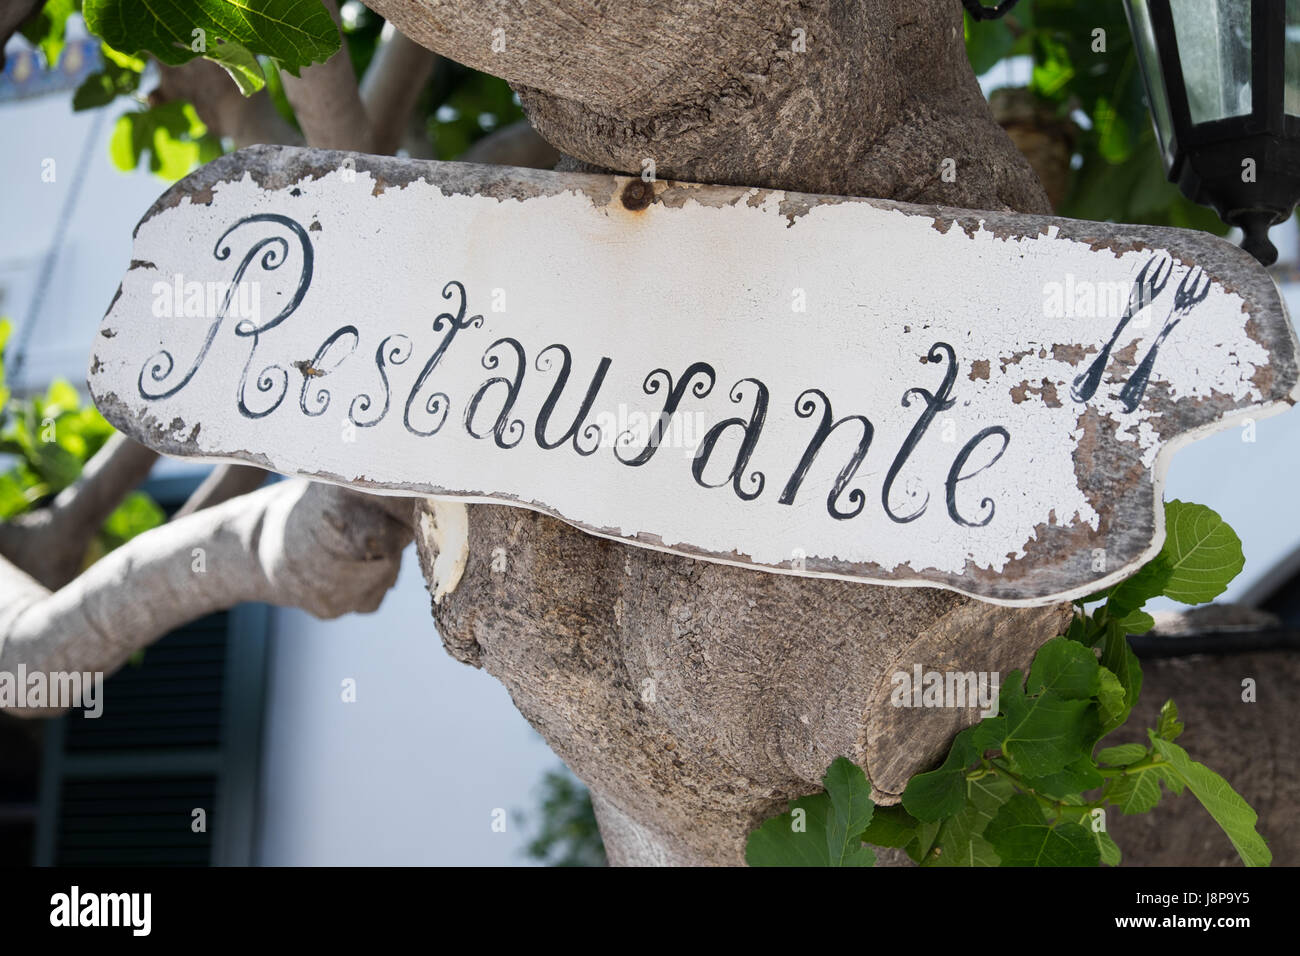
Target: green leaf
988, 734
961, 837
1066, 668
824, 829
239, 62
170, 134
1122, 755
1080, 629
47, 29
1107, 847
1138, 790
61, 397
1073, 779
1052, 69
123, 60
135, 515
1115, 140
1118, 658
6, 329
55, 464
1112, 702
1229, 810
852, 807
12, 499
937, 794
920, 847
1168, 727
1021, 836
1136, 622
1203, 553
890, 827
95, 90
1047, 732
794, 838
1149, 582
119, 77
941, 793
296, 33
987, 42
123, 146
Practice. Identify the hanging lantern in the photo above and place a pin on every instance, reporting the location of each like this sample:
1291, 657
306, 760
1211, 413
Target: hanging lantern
1223, 81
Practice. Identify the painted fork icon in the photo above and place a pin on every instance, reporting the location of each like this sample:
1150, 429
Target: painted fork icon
1190, 291
1145, 289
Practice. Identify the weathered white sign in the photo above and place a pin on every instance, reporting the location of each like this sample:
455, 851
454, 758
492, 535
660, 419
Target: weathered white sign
826, 386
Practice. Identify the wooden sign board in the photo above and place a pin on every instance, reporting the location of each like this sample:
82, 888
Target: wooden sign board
817, 385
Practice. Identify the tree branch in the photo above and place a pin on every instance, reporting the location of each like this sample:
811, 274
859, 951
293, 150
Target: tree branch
515, 145
392, 86
224, 110
222, 483
327, 102
12, 16
323, 548
50, 543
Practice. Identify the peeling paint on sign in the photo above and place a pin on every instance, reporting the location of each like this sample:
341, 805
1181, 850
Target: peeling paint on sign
806, 384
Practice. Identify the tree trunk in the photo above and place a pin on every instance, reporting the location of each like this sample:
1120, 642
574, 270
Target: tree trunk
694, 699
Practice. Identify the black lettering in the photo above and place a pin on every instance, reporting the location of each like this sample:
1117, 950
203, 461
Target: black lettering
503, 423
934, 404
592, 432
751, 430
653, 382
955, 475
804, 407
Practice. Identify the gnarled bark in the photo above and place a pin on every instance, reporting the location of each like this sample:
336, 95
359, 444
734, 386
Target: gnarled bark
695, 698
849, 97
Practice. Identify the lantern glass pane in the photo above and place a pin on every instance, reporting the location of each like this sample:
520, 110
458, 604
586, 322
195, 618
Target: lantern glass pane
1214, 47
1293, 57
1139, 15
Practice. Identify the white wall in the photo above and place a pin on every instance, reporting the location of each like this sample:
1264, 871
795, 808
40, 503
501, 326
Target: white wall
411, 772
96, 248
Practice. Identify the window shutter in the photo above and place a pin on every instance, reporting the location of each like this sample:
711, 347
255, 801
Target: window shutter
180, 731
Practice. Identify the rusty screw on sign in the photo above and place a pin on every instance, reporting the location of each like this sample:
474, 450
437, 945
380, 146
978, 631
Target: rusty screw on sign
637, 195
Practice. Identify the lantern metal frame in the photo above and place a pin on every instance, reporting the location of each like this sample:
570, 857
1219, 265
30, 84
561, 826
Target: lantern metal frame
1206, 159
